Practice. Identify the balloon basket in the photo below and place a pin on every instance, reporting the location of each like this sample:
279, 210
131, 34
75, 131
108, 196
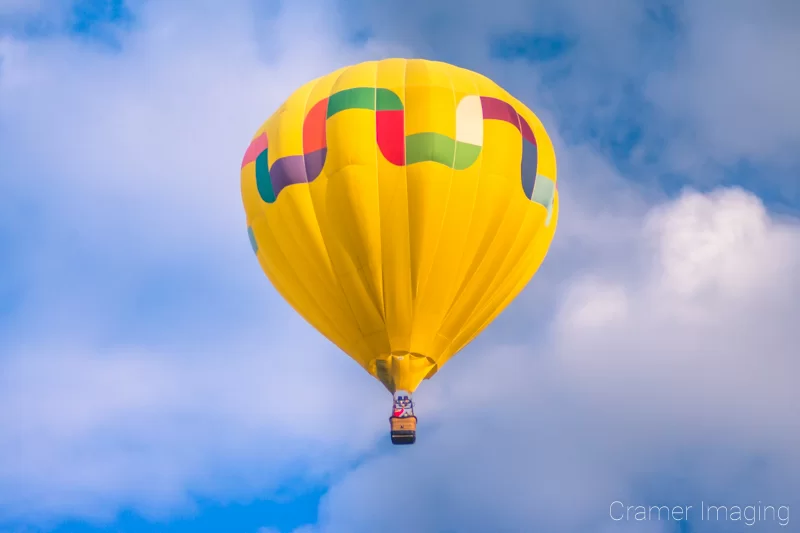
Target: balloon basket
404, 429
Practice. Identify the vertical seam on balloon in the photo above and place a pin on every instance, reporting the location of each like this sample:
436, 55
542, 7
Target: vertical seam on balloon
302, 133
486, 297
301, 284
338, 281
358, 278
459, 289
482, 304
380, 212
314, 210
421, 287
408, 199
483, 299
507, 300
464, 283
262, 208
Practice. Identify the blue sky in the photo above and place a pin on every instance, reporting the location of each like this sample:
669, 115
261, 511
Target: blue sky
151, 380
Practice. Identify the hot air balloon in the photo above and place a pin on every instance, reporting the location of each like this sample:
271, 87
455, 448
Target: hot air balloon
399, 206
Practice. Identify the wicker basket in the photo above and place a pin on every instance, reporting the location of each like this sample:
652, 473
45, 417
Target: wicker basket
408, 423
404, 430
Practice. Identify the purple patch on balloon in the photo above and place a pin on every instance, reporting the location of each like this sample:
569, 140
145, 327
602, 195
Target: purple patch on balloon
287, 171
314, 161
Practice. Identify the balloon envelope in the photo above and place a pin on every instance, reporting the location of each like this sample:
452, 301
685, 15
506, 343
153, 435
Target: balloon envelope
399, 206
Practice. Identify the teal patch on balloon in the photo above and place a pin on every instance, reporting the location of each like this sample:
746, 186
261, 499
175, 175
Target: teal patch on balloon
252, 236
263, 179
544, 191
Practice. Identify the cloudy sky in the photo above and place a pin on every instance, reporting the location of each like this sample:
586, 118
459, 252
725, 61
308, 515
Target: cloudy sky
152, 380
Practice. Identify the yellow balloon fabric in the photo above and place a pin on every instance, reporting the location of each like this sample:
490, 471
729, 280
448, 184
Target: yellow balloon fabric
399, 206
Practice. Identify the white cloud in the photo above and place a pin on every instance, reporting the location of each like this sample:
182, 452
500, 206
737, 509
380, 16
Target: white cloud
724, 242
89, 432
714, 311
592, 304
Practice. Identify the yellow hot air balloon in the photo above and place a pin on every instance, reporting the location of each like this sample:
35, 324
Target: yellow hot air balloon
399, 206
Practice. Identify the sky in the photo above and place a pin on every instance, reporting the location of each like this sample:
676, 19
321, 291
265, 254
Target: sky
151, 379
